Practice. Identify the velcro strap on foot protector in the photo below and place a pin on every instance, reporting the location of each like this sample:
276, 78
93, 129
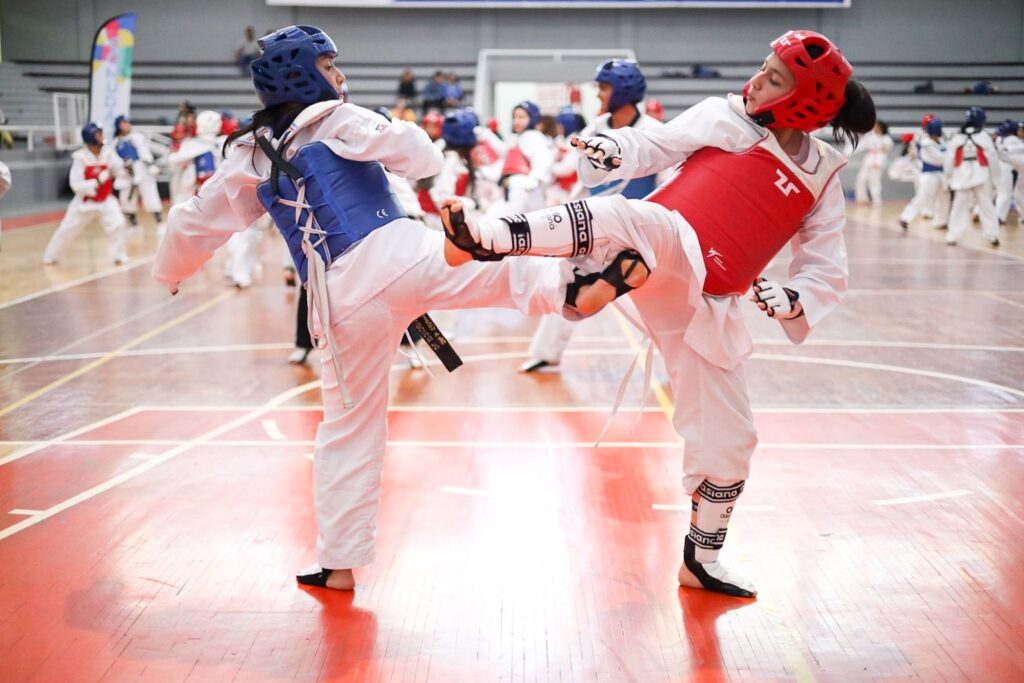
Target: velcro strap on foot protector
519, 230
437, 342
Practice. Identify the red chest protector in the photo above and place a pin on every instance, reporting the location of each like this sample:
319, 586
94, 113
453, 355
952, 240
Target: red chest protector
92, 172
483, 154
516, 163
427, 203
744, 207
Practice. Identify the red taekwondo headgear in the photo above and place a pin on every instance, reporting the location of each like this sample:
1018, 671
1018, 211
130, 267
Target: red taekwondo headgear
820, 90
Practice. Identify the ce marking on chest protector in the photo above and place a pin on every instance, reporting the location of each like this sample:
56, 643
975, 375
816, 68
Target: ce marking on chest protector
382, 213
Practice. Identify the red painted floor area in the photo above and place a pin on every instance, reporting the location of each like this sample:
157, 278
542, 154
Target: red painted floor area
499, 562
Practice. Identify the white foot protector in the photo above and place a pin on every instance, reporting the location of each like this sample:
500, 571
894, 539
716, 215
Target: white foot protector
714, 576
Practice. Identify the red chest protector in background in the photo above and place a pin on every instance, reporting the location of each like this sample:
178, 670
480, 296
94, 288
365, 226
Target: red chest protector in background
744, 206
92, 173
516, 163
427, 203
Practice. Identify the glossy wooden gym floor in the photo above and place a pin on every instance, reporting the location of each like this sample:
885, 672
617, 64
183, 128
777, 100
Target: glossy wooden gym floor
155, 489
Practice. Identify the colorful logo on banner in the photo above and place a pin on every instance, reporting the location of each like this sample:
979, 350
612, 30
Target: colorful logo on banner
111, 86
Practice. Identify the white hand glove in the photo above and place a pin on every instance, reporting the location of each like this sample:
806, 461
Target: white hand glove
154, 170
601, 151
775, 300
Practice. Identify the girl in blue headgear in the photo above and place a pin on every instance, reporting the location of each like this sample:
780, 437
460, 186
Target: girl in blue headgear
526, 172
317, 165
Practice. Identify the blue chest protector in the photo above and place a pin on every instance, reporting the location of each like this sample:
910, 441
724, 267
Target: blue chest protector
637, 188
349, 200
206, 164
126, 150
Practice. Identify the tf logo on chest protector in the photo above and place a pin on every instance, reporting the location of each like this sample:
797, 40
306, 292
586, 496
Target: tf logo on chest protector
785, 185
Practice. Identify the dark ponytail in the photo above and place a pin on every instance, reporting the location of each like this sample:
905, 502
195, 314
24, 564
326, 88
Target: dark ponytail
856, 117
278, 118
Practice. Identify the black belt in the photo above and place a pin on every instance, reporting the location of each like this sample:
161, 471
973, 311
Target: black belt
437, 342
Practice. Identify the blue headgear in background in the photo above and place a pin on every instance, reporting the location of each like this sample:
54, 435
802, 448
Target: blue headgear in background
457, 129
933, 127
627, 81
118, 121
90, 133
532, 110
976, 117
570, 120
286, 71
1007, 128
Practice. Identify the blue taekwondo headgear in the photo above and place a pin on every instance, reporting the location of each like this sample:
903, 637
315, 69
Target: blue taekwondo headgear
976, 117
627, 81
570, 120
286, 71
933, 127
532, 110
1007, 128
90, 133
457, 129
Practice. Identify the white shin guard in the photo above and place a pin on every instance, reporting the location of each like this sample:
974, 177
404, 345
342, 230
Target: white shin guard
712, 509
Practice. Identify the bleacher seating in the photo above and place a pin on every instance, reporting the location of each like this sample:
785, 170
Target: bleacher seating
158, 88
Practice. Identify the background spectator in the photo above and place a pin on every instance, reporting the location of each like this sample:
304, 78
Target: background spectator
435, 92
247, 51
407, 86
453, 91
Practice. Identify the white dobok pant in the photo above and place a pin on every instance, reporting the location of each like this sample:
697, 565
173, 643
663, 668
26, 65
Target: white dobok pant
960, 214
143, 187
79, 214
869, 182
932, 196
1008, 192
350, 442
712, 409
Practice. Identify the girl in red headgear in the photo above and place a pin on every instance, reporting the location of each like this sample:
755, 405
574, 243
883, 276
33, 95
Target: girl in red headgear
753, 180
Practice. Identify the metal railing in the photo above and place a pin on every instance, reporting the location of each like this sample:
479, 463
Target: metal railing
47, 134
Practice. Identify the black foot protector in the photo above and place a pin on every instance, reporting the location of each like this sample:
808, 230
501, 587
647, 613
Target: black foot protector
706, 580
457, 232
613, 275
318, 579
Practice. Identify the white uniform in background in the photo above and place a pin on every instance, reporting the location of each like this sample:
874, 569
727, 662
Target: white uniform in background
932, 193
5, 181
973, 165
138, 180
526, 191
376, 289
92, 180
875, 148
554, 332
489, 157
1010, 149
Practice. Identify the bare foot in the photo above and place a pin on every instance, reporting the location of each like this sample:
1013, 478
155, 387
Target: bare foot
453, 256
593, 297
341, 580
